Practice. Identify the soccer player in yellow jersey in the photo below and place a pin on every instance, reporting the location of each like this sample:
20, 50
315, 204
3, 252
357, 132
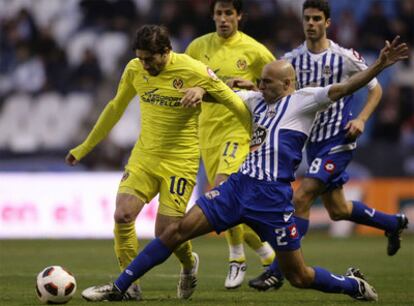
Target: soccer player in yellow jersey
223, 141
165, 157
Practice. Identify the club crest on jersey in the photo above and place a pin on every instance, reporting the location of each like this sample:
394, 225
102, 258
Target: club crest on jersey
329, 166
241, 64
293, 231
125, 176
258, 137
327, 70
270, 113
178, 83
212, 74
212, 194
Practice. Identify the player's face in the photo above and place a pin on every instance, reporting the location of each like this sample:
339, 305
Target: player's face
153, 63
270, 86
226, 19
314, 24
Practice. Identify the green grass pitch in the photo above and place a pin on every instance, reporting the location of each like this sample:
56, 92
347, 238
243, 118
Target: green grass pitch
92, 262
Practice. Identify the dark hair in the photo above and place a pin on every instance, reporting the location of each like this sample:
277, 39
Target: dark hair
152, 38
237, 4
321, 5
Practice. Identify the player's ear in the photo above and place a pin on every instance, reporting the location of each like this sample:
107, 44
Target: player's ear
287, 83
239, 17
328, 22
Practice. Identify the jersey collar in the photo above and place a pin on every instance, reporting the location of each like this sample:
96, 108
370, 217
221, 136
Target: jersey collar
322, 52
228, 41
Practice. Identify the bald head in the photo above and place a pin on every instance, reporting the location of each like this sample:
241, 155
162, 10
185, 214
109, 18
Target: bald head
281, 70
278, 80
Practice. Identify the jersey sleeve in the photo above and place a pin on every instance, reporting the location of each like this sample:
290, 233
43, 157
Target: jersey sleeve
250, 98
313, 99
109, 116
354, 63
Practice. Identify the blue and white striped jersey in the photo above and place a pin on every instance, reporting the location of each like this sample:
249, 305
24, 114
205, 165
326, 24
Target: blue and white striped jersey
280, 132
334, 65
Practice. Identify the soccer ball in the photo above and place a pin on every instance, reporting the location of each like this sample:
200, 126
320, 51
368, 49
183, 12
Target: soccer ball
55, 285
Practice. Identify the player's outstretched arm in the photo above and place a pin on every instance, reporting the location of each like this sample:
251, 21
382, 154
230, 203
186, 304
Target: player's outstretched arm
389, 55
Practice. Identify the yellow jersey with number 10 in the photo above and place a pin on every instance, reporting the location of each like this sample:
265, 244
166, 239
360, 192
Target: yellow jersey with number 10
237, 56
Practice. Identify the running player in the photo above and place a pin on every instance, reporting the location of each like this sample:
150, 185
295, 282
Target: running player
320, 62
165, 157
223, 141
260, 194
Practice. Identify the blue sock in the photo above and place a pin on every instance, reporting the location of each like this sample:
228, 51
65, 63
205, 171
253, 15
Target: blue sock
153, 254
302, 226
362, 214
327, 282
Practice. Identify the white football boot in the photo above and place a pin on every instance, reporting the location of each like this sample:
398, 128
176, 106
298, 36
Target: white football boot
188, 281
366, 291
235, 276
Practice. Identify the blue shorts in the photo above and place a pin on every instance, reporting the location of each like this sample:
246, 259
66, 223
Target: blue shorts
327, 164
265, 206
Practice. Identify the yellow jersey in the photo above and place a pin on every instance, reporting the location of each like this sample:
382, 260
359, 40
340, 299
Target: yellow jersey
238, 56
167, 128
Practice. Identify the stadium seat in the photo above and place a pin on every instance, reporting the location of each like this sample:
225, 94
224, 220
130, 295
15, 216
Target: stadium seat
78, 44
126, 132
19, 130
110, 47
51, 121
77, 109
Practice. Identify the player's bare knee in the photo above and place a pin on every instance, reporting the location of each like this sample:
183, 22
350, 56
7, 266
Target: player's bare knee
302, 200
121, 216
336, 213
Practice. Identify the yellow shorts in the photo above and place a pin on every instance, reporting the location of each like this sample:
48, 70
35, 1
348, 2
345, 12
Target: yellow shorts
172, 178
224, 159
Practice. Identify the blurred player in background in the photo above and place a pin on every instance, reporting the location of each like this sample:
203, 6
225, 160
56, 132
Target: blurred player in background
320, 62
224, 142
165, 157
260, 194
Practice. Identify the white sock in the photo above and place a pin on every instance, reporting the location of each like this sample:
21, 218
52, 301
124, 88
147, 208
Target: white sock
265, 251
236, 253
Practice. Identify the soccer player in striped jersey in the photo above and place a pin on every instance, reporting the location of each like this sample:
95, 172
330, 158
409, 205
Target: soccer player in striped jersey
224, 142
260, 194
320, 62
165, 157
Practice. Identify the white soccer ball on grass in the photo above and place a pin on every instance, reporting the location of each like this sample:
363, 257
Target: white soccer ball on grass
55, 285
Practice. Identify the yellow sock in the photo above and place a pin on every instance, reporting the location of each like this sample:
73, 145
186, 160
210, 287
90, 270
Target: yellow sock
125, 244
234, 237
263, 249
184, 254
251, 238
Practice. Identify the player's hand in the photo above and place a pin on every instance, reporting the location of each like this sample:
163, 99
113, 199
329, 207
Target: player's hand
393, 52
192, 96
241, 83
355, 128
71, 160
